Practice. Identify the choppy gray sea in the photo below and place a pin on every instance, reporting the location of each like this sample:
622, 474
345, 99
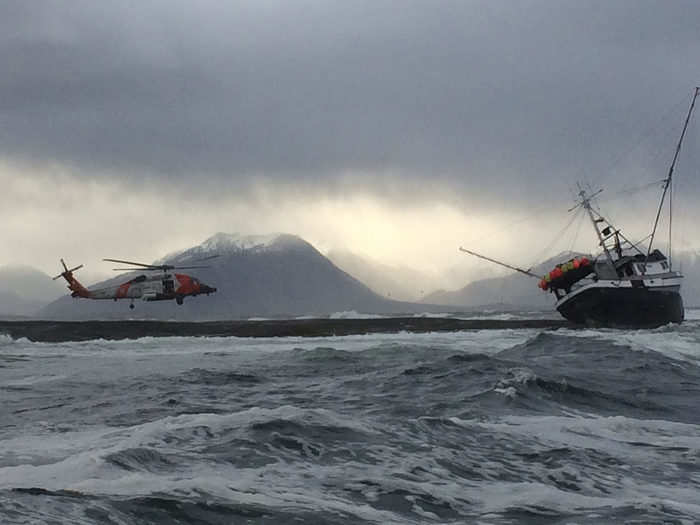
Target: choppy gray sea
492, 426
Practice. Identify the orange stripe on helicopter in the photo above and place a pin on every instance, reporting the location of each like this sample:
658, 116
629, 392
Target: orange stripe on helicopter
122, 290
187, 286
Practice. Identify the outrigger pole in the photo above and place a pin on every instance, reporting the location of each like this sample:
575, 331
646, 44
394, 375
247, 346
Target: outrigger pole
526, 272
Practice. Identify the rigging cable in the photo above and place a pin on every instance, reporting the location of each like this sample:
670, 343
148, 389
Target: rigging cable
538, 211
556, 237
670, 115
578, 230
627, 192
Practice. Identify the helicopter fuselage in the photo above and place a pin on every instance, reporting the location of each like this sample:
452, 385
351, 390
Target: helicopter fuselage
152, 287
161, 285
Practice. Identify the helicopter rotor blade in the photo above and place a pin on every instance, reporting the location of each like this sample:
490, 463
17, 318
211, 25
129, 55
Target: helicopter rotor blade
64, 264
149, 269
201, 259
189, 267
131, 262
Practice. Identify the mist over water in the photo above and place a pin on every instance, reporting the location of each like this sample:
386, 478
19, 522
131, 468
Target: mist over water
492, 426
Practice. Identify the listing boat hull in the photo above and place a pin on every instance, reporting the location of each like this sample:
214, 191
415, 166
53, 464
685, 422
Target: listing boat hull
623, 307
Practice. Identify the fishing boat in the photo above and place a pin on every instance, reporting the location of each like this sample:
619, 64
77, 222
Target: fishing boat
627, 285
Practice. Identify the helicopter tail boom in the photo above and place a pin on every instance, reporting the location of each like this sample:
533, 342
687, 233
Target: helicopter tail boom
77, 289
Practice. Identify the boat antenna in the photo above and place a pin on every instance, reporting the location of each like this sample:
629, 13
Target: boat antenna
526, 272
667, 184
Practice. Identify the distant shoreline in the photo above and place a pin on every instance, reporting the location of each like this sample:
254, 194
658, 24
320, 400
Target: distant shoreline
63, 331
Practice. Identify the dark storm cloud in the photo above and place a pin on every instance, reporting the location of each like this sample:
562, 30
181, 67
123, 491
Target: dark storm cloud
512, 96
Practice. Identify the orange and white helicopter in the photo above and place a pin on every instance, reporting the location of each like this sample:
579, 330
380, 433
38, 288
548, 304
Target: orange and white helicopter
162, 286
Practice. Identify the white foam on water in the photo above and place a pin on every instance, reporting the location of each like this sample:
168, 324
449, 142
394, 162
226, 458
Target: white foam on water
77, 461
7, 340
352, 314
591, 432
483, 341
422, 474
675, 341
643, 446
493, 315
290, 488
495, 497
34, 380
431, 315
64, 457
507, 385
692, 314
80, 465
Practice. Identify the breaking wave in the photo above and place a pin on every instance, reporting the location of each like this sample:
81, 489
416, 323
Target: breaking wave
490, 426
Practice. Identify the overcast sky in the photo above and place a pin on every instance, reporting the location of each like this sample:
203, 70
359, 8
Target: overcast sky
398, 130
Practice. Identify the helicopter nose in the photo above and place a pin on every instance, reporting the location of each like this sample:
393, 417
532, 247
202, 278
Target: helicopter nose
207, 289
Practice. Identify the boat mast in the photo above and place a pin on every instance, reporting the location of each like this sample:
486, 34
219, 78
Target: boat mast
667, 185
586, 203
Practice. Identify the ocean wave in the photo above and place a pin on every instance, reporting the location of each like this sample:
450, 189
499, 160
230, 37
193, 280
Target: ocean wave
218, 377
53, 457
675, 341
326, 353
352, 314
140, 459
384, 428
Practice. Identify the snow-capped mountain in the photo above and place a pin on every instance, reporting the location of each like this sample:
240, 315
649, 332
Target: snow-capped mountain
256, 276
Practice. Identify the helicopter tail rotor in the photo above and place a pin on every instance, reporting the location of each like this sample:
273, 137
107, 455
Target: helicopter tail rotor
66, 273
77, 289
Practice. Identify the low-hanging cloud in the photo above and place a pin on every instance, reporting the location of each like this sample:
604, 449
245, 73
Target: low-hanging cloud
477, 112
468, 91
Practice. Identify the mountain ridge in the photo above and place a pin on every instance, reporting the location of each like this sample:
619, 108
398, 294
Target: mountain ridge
283, 276
512, 290
24, 290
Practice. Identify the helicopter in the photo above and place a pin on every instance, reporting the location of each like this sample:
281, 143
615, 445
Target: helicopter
161, 286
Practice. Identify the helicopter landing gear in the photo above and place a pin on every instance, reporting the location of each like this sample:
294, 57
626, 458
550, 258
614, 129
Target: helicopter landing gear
179, 300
